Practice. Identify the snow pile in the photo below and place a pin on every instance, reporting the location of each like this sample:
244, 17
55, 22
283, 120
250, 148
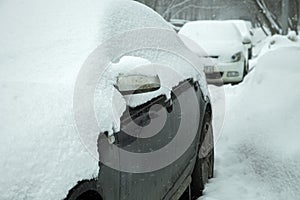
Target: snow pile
277, 41
127, 15
257, 156
43, 45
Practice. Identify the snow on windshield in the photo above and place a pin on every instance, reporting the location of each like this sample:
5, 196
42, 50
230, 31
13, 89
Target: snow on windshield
210, 31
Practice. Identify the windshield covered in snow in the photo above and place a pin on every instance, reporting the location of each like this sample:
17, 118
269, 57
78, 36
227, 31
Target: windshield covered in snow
210, 31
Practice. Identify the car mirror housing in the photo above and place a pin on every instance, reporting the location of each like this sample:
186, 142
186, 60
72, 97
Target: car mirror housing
246, 40
136, 84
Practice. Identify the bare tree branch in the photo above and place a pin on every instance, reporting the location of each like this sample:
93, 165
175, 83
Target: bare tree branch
268, 16
171, 7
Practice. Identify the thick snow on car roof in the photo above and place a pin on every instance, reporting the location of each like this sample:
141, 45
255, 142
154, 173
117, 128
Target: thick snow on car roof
44, 45
210, 30
217, 38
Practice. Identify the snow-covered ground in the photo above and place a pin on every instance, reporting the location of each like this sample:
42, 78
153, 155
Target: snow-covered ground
45, 43
258, 153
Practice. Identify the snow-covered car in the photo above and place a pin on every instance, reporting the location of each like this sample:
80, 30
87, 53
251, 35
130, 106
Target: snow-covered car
51, 80
224, 46
245, 28
170, 182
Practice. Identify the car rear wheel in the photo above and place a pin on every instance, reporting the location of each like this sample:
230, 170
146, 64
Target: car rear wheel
246, 67
85, 190
204, 167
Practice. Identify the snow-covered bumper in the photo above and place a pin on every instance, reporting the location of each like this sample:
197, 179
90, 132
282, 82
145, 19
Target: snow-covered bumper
225, 72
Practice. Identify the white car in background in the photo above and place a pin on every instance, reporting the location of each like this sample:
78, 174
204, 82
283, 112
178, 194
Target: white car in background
245, 28
225, 48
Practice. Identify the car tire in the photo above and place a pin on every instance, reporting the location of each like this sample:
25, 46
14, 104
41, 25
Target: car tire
246, 67
204, 167
84, 190
250, 53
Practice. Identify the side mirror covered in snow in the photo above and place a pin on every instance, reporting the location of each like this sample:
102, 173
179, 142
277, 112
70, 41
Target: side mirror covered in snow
136, 84
246, 40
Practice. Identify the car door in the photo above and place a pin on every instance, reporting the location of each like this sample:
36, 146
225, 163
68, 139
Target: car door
159, 183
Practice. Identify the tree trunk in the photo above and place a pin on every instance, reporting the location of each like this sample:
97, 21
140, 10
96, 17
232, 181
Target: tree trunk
285, 16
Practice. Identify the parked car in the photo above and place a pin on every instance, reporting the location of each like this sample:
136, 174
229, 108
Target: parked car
44, 154
224, 46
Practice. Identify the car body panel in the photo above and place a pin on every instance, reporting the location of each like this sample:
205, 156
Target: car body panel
162, 183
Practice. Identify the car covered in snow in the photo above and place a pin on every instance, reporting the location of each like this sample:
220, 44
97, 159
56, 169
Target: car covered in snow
97, 104
224, 47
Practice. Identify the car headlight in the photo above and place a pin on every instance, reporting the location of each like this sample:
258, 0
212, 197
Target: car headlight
236, 57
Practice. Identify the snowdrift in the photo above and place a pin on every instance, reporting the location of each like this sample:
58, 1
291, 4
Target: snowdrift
43, 45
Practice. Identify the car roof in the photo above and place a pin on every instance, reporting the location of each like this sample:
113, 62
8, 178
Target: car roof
210, 29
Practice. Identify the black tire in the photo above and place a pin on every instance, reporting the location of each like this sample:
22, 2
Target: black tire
84, 190
204, 167
250, 53
246, 67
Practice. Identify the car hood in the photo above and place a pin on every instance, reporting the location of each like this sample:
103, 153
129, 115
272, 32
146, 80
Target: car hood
221, 48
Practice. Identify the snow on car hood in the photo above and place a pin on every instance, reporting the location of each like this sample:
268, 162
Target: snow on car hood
44, 45
221, 48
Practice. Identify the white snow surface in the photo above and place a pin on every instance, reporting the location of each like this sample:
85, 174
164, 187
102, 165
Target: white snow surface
278, 41
43, 46
217, 38
209, 30
257, 155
